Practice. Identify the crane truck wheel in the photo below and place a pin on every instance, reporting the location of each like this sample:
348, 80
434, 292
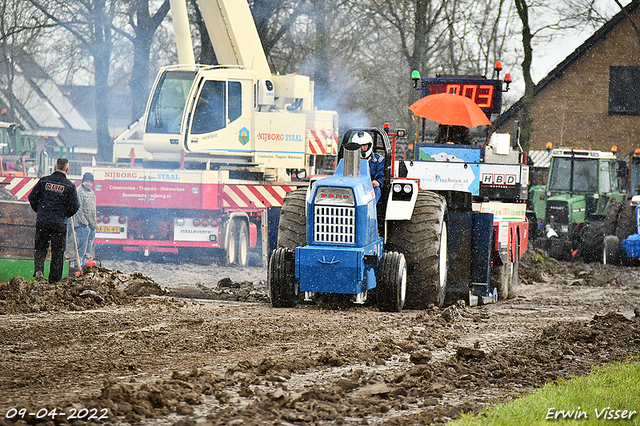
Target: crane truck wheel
512, 291
292, 230
611, 251
232, 242
242, 245
423, 241
391, 282
283, 287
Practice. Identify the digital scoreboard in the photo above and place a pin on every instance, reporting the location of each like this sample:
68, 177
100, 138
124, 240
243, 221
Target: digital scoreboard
487, 94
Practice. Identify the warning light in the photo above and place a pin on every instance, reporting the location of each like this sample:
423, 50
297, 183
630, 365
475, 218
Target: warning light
614, 148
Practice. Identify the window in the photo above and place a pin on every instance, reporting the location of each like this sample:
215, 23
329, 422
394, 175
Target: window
624, 86
561, 175
167, 105
210, 113
235, 100
585, 174
605, 177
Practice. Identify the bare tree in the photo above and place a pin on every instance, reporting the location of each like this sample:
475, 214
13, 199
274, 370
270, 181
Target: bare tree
21, 32
90, 22
553, 20
144, 24
634, 25
526, 122
274, 19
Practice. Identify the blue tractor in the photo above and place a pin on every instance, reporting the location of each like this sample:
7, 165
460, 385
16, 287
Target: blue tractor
334, 238
450, 224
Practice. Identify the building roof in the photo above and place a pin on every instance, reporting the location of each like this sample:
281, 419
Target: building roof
540, 158
559, 70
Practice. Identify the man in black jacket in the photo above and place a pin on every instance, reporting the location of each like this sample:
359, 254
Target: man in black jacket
55, 199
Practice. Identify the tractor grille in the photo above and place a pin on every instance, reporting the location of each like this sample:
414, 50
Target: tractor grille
557, 211
334, 225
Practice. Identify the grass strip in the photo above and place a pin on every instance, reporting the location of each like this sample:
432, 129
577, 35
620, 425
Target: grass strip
608, 395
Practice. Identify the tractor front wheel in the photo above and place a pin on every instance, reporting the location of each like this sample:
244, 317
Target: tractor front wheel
392, 282
283, 286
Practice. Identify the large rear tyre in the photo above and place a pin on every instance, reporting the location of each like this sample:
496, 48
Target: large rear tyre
590, 241
391, 282
242, 245
626, 222
611, 221
423, 241
292, 230
611, 251
283, 287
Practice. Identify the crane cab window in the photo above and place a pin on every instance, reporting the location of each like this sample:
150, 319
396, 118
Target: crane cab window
210, 113
169, 100
214, 110
235, 100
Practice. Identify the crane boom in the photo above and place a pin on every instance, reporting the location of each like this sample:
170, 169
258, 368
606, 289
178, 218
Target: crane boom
234, 35
182, 32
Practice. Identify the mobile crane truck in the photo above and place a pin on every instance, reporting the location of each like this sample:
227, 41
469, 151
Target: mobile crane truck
450, 224
216, 150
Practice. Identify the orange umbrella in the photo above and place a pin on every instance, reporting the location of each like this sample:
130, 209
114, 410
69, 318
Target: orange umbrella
449, 109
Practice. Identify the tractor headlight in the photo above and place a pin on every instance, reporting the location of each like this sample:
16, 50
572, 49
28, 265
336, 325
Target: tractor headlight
407, 188
397, 187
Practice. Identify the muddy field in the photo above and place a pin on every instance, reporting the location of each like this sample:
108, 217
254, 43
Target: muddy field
164, 344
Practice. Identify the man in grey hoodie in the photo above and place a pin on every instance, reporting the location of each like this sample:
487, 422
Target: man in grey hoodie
85, 220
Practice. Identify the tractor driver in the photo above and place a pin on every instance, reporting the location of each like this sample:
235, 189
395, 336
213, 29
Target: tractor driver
376, 162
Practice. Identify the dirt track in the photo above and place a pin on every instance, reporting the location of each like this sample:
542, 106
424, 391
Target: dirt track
106, 341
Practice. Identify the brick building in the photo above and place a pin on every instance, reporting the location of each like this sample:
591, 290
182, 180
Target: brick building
592, 98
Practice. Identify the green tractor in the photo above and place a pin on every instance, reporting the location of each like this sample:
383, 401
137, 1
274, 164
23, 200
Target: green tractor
17, 151
569, 211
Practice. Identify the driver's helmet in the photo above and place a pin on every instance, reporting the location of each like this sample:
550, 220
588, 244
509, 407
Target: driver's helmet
362, 139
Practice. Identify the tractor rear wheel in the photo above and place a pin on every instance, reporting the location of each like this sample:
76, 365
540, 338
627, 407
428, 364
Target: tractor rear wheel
611, 251
590, 236
391, 282
626, 222
292, 230
423, 241
283, 287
